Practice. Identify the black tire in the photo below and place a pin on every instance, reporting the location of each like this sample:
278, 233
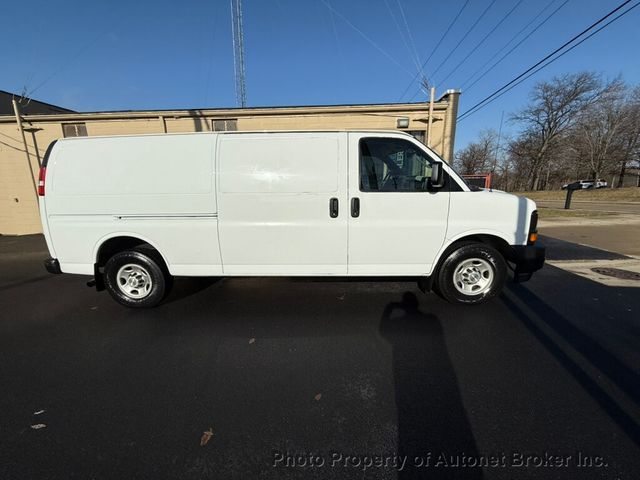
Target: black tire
479, 262
149, 273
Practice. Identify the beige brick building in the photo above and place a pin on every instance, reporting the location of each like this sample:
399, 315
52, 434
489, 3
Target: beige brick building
18, 201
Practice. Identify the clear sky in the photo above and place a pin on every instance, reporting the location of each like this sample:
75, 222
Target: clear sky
122, 55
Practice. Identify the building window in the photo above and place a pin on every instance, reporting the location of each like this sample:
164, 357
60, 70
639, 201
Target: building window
74, 130
225, 125
419, 135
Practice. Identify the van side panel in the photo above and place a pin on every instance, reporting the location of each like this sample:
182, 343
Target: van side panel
158, 188
188, 245
152, 174
274, 194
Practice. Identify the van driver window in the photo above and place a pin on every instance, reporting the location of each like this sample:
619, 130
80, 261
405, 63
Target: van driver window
392, 165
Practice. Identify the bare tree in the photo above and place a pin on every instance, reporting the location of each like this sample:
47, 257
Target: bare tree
594, 137
575, 126
629, 137
554, 107
478, 156
518, 153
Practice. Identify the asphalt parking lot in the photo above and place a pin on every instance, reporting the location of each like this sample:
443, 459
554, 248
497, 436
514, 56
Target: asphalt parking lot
323, 379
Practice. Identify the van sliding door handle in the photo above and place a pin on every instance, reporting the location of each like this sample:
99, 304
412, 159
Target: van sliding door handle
355, 207
333, 207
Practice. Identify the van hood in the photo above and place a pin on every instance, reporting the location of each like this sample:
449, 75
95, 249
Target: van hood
510, 197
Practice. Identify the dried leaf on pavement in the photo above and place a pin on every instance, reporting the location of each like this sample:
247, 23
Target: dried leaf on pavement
206, 436
318, 397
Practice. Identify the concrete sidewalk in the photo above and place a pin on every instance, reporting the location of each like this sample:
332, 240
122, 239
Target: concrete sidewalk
615, 239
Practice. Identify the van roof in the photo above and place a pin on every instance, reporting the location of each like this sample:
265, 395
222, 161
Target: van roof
397, 132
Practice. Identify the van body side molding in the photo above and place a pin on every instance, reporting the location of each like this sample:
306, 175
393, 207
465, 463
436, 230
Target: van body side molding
162, 217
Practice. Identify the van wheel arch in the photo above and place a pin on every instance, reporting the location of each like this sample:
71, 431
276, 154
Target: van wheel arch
114, 245
472, 273
500, 244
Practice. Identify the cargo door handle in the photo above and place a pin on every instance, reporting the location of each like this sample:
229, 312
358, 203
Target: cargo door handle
355, 207
333, 207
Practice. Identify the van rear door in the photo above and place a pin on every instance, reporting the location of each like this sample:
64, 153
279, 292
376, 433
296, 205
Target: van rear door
282, 203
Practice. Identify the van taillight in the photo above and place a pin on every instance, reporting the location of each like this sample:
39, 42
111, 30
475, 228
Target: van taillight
533, 228
41, 177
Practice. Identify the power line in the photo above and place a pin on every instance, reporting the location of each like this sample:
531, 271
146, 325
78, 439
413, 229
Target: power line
444, 60
500, 91
464, 37
214, 31
406, 26
424, 64
69, 62
71, 59
335, 36
363, 35
558, 57
479, 44
414, 57
509, 42
513, 48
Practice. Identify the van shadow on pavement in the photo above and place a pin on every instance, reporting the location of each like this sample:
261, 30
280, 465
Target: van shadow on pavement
562, 250
546, 319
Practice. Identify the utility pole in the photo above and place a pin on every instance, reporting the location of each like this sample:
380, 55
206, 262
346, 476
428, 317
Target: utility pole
495, 158
16, 111
432, 99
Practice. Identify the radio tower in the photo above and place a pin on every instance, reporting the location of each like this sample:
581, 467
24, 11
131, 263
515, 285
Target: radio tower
238, 52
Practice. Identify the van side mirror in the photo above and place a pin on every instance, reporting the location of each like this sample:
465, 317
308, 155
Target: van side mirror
437, 175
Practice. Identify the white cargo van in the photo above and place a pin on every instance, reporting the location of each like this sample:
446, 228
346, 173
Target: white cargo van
133, 211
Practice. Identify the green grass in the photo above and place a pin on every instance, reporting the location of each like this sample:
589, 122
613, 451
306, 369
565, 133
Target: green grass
627, 194
549, 213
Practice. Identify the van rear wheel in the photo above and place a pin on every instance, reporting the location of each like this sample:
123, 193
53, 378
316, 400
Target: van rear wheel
136, 279
471, 274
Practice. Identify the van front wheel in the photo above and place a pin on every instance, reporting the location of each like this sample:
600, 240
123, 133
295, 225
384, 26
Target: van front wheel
135, 279
471, 274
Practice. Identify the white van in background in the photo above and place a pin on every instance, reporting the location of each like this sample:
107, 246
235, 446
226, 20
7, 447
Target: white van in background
136, 210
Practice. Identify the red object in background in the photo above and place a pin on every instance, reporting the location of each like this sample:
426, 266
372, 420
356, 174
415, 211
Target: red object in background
482, 180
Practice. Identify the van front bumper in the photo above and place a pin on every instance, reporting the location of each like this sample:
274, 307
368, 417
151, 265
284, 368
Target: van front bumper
527, 259
52, 265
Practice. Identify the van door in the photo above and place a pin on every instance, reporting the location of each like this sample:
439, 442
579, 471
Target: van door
397, 223
282, 203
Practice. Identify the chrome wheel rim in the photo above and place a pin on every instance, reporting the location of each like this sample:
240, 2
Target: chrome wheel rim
473, 276
134, 281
